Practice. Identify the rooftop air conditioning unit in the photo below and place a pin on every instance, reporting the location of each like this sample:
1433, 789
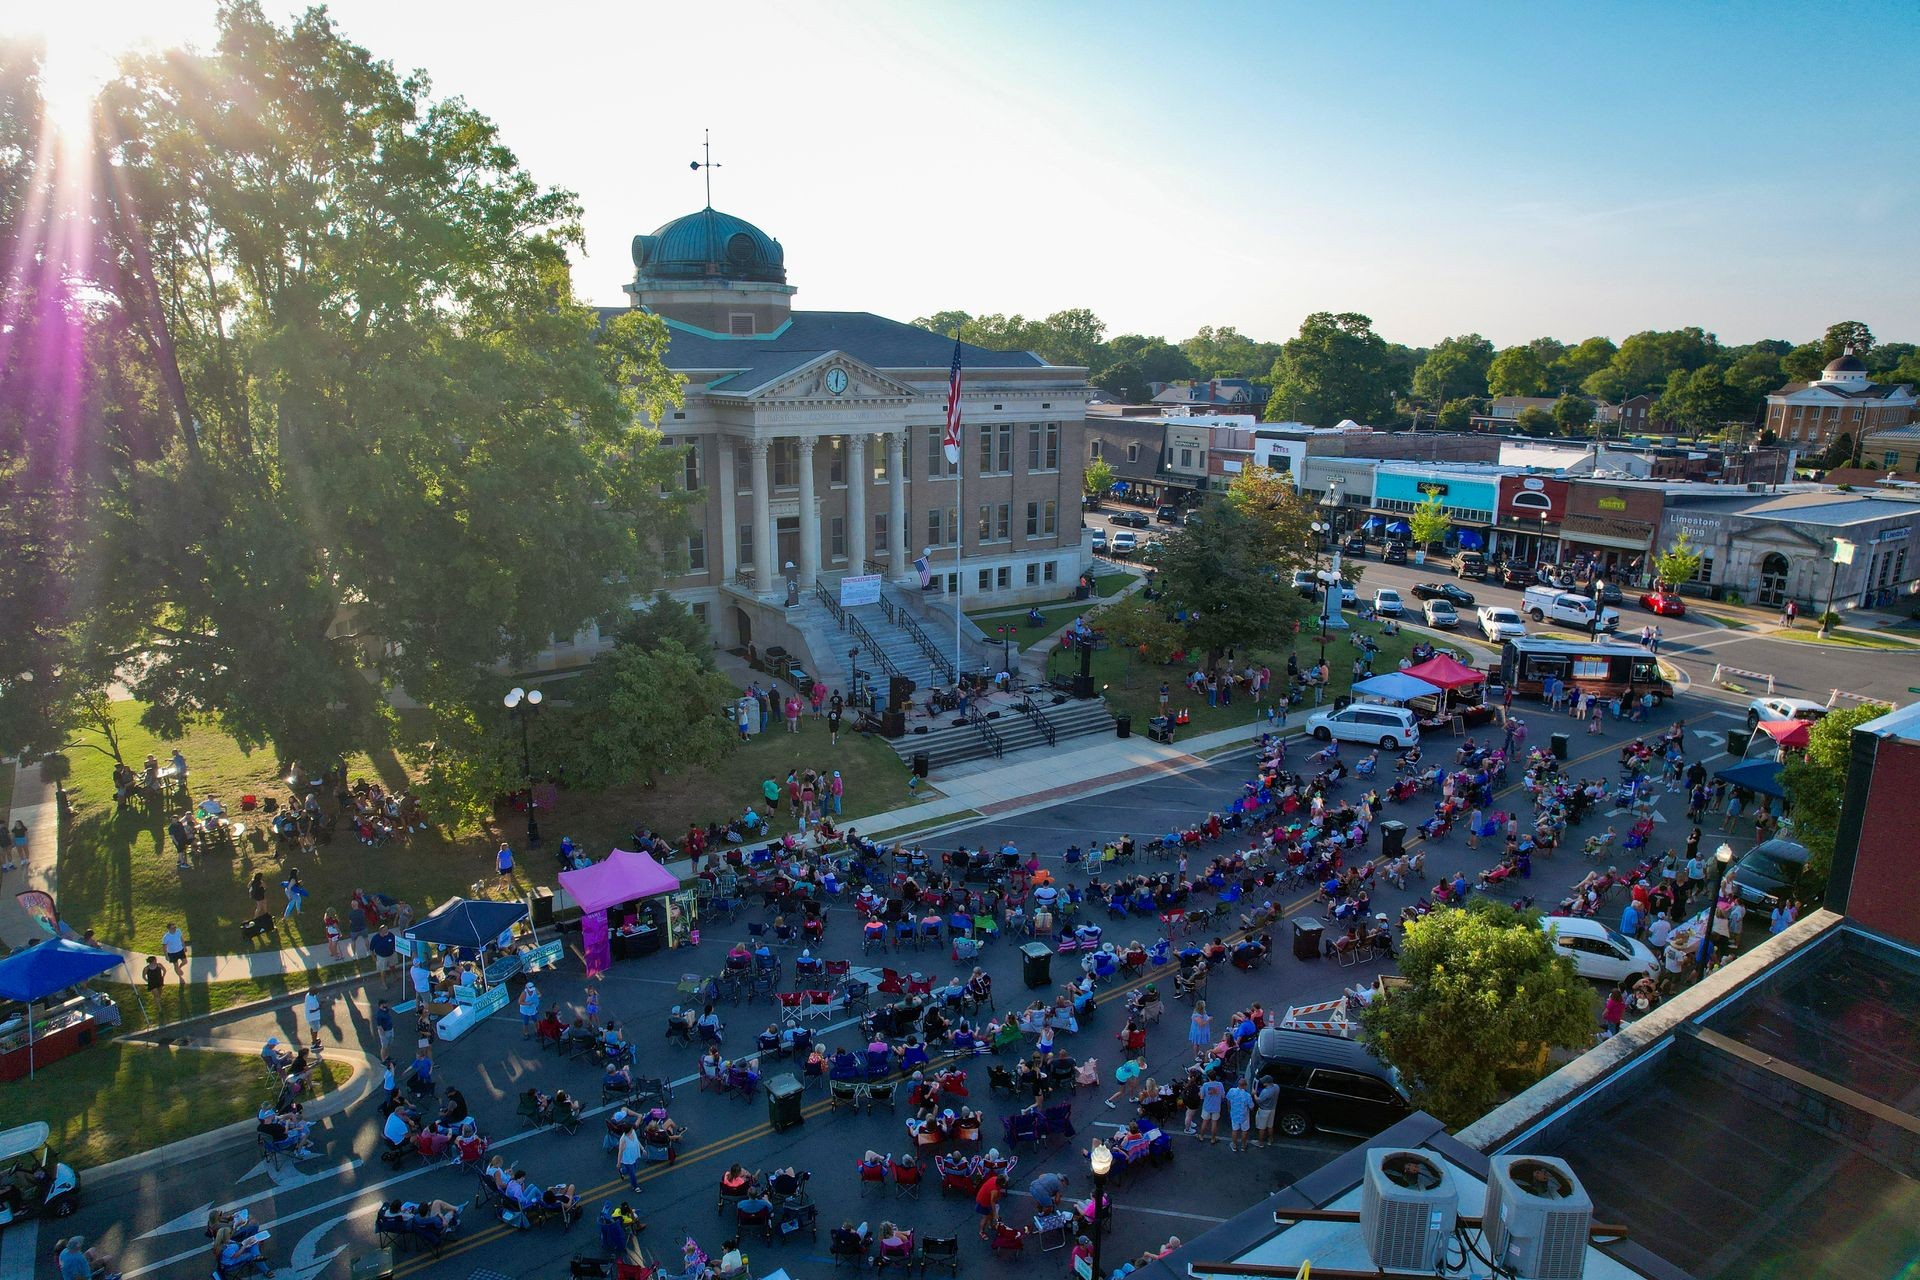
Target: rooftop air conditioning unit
1537, 1218
1408, 1205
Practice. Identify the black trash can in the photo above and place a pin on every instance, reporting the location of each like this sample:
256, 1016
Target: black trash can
783, 1104
1737, 740
540, 907
1561, 749
1306, 939
1393, 838
922, 763
1123, 726
1036, 964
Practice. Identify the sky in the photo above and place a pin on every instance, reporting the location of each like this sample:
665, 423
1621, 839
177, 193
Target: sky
1512, 169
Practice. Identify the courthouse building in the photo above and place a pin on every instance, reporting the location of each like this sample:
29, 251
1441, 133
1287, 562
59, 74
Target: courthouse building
813, 443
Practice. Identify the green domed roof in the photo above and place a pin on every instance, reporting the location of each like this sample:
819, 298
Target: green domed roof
710, 245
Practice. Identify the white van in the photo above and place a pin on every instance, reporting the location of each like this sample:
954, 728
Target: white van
1542, 603
1390, 728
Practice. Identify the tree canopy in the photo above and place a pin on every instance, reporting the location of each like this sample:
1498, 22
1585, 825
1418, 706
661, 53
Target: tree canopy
1486, 999
1230, 574
1572, 413
362, 434
1456, 367
1517, 371
1815, 780
1098, 477
1429, 522
1679, 562
1337, 368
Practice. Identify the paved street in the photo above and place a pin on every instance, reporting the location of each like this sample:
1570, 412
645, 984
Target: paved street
322, 1214
1801, 668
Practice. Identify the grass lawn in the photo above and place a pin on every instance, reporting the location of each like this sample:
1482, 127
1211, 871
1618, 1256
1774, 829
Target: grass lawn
117, 871
1853, 639
89, 1098
1058, 614
1133, 684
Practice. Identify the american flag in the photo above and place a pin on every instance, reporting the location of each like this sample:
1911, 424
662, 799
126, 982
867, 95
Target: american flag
951, 441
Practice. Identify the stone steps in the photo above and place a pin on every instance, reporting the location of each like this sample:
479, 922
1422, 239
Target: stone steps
950, 745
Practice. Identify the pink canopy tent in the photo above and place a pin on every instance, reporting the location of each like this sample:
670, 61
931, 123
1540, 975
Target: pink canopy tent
622, 876
1788, 733
1446, 673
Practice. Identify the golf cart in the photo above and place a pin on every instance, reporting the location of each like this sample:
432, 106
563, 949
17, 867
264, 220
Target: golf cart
32, 1179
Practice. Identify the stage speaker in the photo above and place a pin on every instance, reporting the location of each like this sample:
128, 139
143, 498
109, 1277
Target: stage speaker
893, 723
899, 691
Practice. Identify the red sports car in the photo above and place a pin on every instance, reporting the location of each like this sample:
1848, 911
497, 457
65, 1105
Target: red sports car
1664, 603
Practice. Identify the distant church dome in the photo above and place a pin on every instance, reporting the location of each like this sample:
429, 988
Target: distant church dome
710, 245
1846, 362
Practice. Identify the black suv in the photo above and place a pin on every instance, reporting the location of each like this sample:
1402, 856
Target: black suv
1396, 553
1329, 1083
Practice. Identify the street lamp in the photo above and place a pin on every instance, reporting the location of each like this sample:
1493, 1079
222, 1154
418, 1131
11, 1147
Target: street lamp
1100, 1159
1006, 636
523, 705
1842, 554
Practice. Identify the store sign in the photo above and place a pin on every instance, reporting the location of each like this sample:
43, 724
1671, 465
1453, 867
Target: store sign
1533, 482
1611, 504
1432, 488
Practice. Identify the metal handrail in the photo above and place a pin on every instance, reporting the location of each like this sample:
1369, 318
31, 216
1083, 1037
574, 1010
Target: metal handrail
833, 606
979, 722
1031, 712
873, 646
872, 566
889, 608
741, 578
941, 664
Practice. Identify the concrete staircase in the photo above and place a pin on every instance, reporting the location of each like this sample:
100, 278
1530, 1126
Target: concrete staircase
950, 744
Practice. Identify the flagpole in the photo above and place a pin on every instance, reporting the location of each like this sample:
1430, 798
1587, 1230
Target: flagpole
959, 553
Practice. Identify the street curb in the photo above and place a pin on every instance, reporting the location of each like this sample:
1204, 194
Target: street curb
246, 1009
357, 1089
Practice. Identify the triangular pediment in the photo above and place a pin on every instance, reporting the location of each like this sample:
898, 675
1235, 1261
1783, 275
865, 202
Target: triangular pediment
834, 377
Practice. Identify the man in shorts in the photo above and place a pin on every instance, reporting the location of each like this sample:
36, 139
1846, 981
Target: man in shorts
1265, 1103
386, 955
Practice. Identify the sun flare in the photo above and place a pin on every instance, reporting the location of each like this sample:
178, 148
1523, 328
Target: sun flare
83, 39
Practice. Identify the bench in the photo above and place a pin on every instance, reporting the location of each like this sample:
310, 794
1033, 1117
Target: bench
467, 1016
544, 956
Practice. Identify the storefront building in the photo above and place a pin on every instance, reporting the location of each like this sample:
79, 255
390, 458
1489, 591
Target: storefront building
1612, 524
1470, 497
1858, 550
1527, 518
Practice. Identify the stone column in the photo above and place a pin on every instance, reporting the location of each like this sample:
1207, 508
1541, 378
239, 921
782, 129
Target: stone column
809, 518
857, 480
897, 557
729, 522
766, 574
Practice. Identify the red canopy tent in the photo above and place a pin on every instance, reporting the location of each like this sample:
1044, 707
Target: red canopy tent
1446, 673
1788, 733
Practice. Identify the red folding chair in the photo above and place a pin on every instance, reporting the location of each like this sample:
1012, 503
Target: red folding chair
918, 986
819, 1004
839, 969
792, 1004
891, 983
873, 1177
906, 1179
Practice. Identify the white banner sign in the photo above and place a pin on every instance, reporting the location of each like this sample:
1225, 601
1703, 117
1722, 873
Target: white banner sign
863, 589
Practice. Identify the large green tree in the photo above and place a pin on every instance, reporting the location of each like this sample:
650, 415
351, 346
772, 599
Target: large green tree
1678, 563
1457, 415
1646, 360
1816, 779
394, 447
1534, 421
1225, 352
1337, 368
1847, 335
1231, 573
1485, 1001
1135, 362
1517, 371
1700, 400
1456, 367
1429, 523
1572, 414
641, 712
1576, 364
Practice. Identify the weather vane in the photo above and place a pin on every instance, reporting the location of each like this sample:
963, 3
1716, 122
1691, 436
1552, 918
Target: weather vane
706, 147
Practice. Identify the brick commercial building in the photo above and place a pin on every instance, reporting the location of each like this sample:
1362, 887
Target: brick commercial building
1812, 415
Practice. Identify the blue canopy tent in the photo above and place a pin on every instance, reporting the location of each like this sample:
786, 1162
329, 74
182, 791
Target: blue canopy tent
1400, 528
1396, 686
467, 922
1755, 775
36, 972
1471, 540
1375, 522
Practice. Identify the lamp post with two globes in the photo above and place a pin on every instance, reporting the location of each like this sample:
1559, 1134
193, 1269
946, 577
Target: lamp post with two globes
523, 705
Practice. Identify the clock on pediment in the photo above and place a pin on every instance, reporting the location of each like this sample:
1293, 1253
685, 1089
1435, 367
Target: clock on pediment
837, 381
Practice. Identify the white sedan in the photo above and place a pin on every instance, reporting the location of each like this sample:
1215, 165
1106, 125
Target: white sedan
1386, 603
